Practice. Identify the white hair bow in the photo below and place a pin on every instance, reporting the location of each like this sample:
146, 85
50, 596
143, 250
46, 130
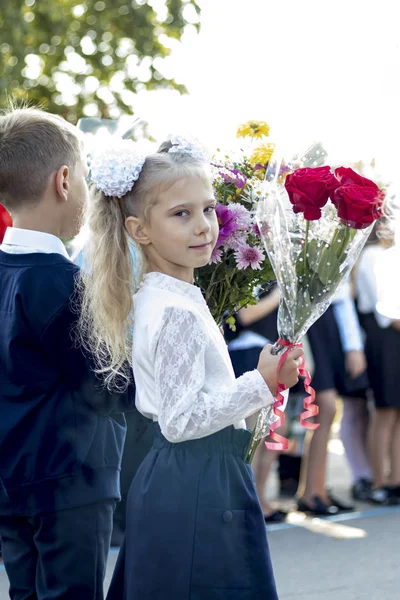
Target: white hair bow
188, 145
115, 167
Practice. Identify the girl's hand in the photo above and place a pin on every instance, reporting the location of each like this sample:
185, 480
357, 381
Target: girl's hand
355, 362
396, 324
289, 373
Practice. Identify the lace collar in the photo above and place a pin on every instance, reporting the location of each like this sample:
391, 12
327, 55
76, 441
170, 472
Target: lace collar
176, 286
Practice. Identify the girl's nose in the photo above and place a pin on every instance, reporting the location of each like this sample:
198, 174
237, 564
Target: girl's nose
202, 225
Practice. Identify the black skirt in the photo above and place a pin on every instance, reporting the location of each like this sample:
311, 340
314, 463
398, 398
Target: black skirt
382, 349
329, 358
195, 528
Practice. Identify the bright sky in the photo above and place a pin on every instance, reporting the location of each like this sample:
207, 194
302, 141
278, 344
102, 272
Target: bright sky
314, 69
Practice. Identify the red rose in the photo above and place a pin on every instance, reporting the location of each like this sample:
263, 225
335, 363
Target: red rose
345, 176
358, 200
5, 221
309, 190
358, 206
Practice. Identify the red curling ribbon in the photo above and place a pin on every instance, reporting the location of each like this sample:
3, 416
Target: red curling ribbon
279, 442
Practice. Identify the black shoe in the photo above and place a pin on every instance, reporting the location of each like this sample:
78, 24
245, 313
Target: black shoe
320, 508
341, 506
278, 516
361, 490
394, 495
380, 496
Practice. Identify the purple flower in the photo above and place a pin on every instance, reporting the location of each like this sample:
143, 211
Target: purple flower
284, 169
236, 239
216, 256
227, 223
248, 256
256, 230
233, 176
243, 218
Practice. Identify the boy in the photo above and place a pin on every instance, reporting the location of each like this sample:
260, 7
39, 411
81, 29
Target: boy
60, 449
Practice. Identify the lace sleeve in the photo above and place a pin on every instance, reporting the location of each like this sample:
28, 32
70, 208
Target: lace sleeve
186, 411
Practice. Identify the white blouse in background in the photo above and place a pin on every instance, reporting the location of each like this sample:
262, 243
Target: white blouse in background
346, 318
183, 373
367, 282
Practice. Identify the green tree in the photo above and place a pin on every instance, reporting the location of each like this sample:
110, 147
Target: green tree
89, 57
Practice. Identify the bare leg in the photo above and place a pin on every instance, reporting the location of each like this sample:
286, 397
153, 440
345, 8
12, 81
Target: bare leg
395, 453
262, 464
313, 472
354, 435
381, 433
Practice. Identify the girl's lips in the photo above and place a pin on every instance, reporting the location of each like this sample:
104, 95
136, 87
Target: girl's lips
200, 246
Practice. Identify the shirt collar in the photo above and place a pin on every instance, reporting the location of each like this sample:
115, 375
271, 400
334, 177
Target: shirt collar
174, 285
37, 241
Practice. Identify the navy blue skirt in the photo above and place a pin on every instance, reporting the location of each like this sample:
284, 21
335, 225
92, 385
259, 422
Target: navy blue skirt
195, 529
330, 369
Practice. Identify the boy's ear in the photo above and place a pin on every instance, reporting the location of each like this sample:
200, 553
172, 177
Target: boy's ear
62, 182
137, 230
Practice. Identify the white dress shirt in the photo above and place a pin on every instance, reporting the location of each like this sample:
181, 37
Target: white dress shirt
372, 279
27, 241
183, 373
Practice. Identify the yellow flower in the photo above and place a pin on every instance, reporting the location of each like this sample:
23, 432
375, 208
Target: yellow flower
262, 154
254, 129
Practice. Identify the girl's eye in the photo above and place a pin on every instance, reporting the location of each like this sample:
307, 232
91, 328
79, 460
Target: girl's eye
181, 213
210, 209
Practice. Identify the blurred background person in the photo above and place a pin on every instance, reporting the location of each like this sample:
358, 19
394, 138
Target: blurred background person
382, 347
340, 368
256, 326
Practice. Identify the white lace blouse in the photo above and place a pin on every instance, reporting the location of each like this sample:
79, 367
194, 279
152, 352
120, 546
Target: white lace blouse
183, 373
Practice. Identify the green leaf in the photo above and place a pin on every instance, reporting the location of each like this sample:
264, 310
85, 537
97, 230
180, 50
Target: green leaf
231, 322
313, 254
81, 40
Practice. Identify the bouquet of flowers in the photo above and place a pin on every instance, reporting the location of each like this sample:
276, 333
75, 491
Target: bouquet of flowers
239, 263
314, 227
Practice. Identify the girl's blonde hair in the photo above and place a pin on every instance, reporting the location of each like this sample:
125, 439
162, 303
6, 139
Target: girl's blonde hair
110, 279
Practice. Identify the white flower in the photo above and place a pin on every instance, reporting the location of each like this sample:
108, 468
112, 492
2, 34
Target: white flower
115, 167
216, 174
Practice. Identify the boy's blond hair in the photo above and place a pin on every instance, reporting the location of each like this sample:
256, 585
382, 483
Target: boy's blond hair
33, 145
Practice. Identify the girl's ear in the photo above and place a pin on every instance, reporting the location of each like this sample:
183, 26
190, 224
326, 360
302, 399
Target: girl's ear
137, 230
62, 182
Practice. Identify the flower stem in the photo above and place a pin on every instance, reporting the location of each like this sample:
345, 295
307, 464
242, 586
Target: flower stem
251, 449
253, 442
349, 234
305, 249
208, 292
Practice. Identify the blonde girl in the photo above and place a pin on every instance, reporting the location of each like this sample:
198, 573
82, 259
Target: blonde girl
194, 528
